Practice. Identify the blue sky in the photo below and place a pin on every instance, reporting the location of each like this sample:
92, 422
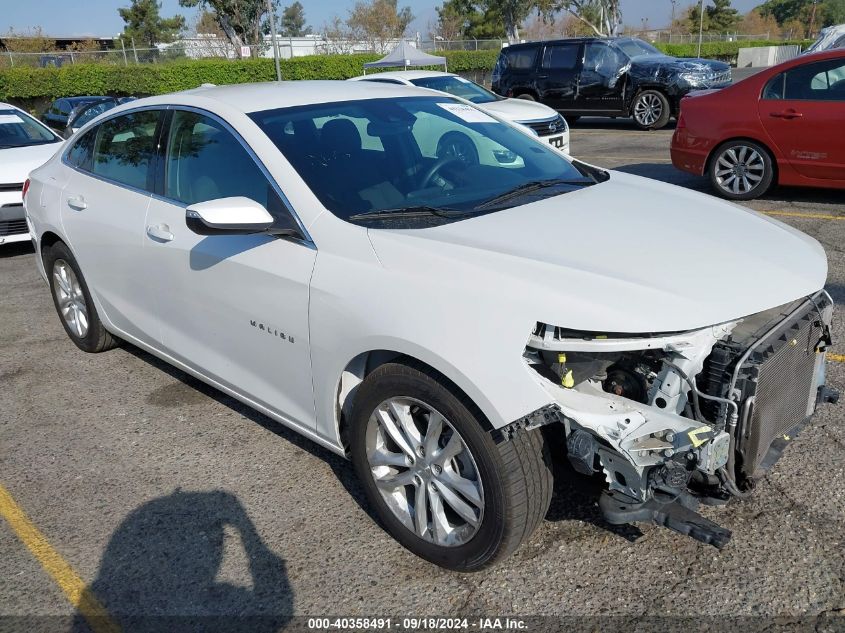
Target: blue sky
99, 17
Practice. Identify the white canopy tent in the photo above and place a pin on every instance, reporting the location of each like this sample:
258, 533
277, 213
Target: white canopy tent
406, 56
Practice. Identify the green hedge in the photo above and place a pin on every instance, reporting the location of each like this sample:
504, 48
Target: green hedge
31, 84
725, 51
149, 79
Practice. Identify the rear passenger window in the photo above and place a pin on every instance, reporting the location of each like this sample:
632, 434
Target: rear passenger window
80, 155
819, 81
206, 162
124, 149
521, 58
561, 57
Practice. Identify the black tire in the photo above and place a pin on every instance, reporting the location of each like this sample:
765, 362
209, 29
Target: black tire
96, 338
516, 475
651, 110
458, 145
735, 159
527, 96
571, 119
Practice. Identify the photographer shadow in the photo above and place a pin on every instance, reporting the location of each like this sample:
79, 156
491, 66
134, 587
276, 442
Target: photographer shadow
160, 571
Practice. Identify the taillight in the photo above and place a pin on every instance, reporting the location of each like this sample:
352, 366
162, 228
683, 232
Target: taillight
682, 123
25, 189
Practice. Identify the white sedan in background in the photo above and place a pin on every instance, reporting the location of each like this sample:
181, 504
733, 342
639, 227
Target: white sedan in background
24, 145
424, 317
546, 123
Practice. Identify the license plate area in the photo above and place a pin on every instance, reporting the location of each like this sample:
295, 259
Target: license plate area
556, 141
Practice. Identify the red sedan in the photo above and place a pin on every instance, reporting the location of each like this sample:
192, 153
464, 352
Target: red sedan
784, 125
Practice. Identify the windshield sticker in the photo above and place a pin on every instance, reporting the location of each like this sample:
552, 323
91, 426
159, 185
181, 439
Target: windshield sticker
467, 113
9, 119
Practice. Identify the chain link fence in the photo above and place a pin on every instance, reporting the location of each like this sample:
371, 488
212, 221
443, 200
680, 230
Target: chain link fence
205, 47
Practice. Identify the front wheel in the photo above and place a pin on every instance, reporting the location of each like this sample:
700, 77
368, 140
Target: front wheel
651, 110
741, 170
439, 483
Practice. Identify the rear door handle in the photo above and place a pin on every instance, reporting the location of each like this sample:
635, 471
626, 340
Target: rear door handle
787, 114
77, 202
160, 233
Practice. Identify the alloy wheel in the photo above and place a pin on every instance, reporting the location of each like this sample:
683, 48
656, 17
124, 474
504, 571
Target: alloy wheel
648, 109
424, 471
740, 169
70, 298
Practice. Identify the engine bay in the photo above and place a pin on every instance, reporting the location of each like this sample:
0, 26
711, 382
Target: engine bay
673, 420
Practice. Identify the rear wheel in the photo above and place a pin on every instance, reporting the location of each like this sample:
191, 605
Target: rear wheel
651, 110
73, 302
741, 170
527, 96
438, 482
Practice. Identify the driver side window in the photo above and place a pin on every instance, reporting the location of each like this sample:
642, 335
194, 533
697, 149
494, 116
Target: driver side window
205, 162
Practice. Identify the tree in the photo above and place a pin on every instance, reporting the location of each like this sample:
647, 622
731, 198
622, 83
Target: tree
755, 23
378, 22
722, 17
208, 24
145, 26
293, 21
475, 19
782, 10
833, 12
602, 17
33, 41
719, 18
241, 21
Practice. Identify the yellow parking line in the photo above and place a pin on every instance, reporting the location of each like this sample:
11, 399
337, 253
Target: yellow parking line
836, 358
811, 216
59, 570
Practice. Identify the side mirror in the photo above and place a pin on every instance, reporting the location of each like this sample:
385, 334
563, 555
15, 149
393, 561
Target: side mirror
228, 216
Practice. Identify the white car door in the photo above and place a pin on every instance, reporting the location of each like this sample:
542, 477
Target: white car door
103, 210
233, 307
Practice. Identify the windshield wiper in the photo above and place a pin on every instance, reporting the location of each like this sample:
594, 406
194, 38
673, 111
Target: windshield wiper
408, 212
529, 187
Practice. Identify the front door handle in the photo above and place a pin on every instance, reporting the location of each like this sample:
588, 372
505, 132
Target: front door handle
160, 233
787, 114
77, 202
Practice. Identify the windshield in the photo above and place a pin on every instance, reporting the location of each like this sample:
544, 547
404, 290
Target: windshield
86, 113
18, 129
418, 154
634, 47
457, 86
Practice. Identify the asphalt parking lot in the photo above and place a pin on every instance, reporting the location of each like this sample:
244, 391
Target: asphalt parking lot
143, 492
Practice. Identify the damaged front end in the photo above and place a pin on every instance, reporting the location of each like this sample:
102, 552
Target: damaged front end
673, 420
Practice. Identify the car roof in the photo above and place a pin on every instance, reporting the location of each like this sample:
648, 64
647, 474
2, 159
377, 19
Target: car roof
83, 98
269, 95
566, 40
408, 75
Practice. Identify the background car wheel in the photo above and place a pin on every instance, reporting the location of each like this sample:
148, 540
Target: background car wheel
570, 119
458, 145
527, 96
741, 170
651, 110
73, 301
438, 482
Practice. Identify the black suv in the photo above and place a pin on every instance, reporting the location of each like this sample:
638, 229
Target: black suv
604, 77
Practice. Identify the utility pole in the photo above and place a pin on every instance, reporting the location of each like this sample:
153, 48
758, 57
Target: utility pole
273, 35
700, 25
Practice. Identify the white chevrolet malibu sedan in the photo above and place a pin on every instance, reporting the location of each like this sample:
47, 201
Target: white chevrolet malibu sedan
299, 247
546, 123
